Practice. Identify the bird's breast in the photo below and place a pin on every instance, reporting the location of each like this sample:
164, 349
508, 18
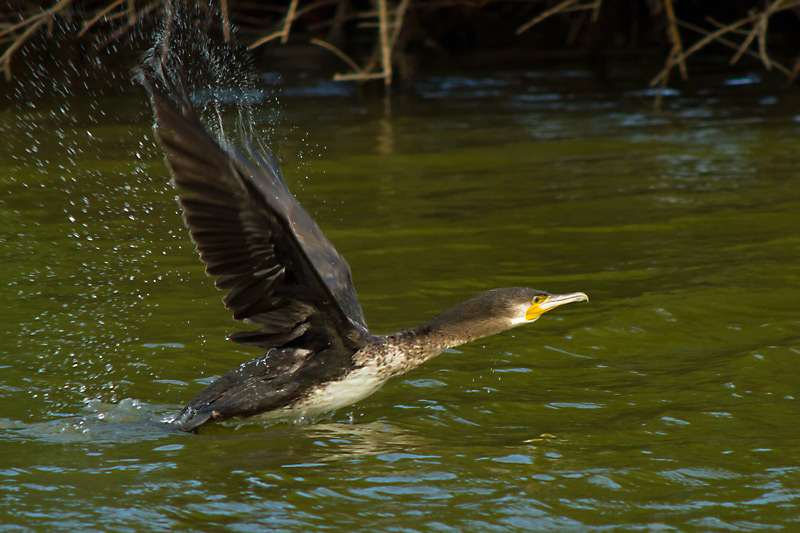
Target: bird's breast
329, 396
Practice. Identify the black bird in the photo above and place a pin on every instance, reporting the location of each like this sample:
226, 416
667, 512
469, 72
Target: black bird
283, 275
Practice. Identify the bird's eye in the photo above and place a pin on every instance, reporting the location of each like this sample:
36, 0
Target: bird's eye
536, 299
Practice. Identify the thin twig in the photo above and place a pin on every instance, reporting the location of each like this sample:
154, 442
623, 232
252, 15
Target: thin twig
132, 11
399, 15
710, 36
307, 9
745, 44
344, 57
311, 7
100, 14
386, 44
383, 35
582, 7
731, 44
36, 22
795, 71
762, 40
760, 30
265, 40
360, 76
676, 54
544, 15
596, 10
226, 20
719, 24
120, 15
337, 22
127, 26
762, 37
289, 19
24, 22
721, 40
282, 33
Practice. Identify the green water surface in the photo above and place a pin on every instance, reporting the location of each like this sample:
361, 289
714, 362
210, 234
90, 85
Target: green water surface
669, 402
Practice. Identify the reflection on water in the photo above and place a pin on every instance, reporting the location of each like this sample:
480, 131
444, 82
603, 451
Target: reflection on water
667, 402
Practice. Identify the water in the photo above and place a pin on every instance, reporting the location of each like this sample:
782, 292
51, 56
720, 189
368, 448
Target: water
668, 402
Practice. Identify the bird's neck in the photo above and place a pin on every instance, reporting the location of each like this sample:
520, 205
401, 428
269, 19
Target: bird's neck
449, 329
463, 323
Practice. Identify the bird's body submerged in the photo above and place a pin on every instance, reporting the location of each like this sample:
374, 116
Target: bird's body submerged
283, 275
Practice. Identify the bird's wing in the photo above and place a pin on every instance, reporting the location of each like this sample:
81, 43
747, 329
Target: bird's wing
280, 270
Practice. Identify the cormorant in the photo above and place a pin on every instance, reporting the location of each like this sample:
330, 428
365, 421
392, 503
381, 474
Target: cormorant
283, 275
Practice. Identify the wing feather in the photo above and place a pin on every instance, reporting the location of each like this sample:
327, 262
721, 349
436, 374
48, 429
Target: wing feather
281, 272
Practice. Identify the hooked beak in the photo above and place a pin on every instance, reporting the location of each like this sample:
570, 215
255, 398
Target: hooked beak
551, 302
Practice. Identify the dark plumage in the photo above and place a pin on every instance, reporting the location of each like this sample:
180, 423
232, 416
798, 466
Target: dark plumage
284, 276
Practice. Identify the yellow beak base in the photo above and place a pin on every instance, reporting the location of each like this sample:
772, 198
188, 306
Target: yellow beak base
546, 303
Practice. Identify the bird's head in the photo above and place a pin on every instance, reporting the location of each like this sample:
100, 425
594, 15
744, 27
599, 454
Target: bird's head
497, 310
532, 304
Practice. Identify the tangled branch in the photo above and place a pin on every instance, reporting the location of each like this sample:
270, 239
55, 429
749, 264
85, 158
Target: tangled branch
384, 25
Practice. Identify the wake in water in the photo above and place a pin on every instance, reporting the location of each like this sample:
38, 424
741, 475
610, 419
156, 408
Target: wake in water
125, 421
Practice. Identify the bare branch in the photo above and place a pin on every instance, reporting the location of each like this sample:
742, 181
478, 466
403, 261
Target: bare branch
344, 57
552, 11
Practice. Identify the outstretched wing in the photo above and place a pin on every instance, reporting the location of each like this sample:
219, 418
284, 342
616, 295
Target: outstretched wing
280, 270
